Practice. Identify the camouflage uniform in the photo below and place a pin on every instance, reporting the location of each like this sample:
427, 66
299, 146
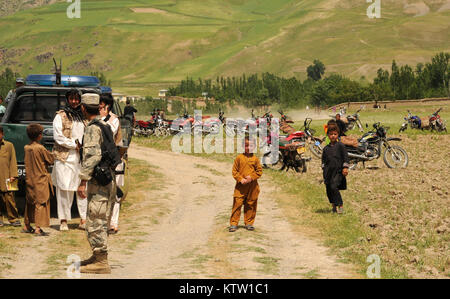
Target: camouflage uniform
100, 197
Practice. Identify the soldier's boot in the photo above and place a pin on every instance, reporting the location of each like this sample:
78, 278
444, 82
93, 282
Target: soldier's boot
88, 261
99, 266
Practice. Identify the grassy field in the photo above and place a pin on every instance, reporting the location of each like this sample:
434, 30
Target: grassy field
147, 44
401, 215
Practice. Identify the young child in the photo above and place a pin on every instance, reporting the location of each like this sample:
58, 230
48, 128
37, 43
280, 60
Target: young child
38, 182
246, 171
335, 168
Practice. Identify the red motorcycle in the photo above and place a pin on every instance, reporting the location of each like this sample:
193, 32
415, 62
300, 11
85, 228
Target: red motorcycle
144, 128
436, 123
290, 154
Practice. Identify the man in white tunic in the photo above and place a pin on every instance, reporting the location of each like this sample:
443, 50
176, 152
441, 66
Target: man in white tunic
113, 121
68, 130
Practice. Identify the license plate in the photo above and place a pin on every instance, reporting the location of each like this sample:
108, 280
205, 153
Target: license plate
301, 150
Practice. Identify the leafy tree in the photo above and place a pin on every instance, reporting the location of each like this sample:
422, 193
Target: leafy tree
316, 70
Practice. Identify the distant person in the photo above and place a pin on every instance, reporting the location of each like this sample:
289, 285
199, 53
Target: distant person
246, 171
8, 170
335, 168
68, 130
12, 93
129, 112
2, 108
341, 124
38, 182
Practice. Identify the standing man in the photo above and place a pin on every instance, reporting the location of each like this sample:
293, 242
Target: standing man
8, 170
68, 130
341, 125
12, 93
129, 112
112, 120
100, 196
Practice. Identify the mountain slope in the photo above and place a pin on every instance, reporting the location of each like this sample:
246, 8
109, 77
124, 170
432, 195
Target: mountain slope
136, 43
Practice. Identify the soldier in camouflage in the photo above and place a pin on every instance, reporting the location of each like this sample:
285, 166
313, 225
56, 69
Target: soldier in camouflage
100, 198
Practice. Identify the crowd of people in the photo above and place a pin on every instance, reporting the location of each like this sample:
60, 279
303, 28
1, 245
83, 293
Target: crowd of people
85, 132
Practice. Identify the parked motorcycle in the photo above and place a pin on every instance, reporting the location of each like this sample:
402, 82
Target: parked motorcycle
352, 120
162, 126
413, 121
144, 128
291, 152
315, 144
437, 123
370, 147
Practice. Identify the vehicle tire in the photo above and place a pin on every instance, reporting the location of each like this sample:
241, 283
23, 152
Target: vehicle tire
352, 164
158, 132
304, 167
268, 163
396, 157
214, 129
165, 132
350, 126
316, 150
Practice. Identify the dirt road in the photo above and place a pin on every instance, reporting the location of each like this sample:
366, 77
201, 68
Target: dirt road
190, 238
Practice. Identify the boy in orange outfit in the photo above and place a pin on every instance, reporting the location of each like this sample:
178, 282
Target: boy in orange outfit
246, 171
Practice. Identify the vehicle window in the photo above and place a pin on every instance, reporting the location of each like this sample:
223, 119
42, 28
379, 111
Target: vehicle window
39, 108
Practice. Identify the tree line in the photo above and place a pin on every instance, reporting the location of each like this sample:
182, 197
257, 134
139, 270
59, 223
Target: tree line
400, 83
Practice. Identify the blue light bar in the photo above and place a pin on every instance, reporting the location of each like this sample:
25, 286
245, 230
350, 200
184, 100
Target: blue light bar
66, 80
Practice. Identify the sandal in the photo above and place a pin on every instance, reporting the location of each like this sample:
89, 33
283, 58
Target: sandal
250, 227
25, 231
41, 233
232, 228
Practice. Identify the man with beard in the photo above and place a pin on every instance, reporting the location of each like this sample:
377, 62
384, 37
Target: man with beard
68, 130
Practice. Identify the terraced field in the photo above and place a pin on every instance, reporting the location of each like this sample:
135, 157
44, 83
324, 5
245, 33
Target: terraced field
139, 44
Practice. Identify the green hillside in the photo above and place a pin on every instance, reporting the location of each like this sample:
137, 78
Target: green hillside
140, 43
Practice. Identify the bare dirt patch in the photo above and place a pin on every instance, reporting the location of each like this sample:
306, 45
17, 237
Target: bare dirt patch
149, 10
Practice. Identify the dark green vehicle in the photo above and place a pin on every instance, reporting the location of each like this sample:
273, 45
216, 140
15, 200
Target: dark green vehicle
37, 102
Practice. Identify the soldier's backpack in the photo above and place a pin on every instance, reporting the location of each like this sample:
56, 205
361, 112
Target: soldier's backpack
103, 172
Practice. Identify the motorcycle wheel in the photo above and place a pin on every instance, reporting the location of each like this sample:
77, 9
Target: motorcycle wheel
166, 132
158, 132
268, 163
353, 164
399, 157
214, 129
316, 150
304, 167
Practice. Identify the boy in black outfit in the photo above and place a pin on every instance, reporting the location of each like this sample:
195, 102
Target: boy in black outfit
335, 168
